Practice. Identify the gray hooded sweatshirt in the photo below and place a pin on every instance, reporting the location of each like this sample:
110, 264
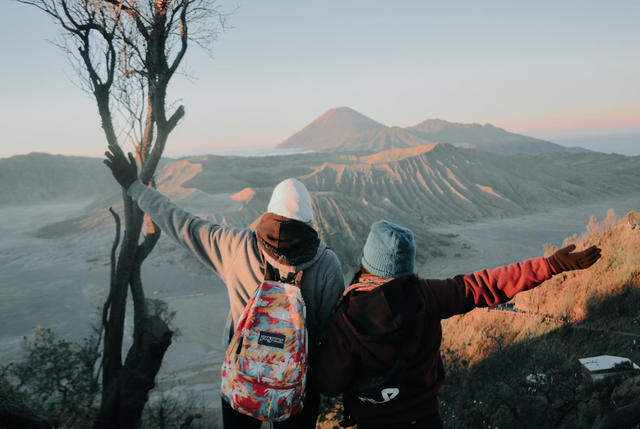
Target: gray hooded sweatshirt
233, 254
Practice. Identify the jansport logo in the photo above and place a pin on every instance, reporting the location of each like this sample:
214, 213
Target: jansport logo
271, 339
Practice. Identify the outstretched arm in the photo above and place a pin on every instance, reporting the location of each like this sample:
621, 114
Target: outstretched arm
213, 245
487, 288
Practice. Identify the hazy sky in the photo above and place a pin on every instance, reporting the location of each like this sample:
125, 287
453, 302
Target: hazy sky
543, 68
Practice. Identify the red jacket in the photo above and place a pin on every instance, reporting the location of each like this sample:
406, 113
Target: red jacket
347, 348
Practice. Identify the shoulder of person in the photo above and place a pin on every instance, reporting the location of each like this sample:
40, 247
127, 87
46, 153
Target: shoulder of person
329, 253
329, 260
429, 286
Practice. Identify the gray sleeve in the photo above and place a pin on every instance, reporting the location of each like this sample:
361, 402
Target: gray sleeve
333, 289
214, 245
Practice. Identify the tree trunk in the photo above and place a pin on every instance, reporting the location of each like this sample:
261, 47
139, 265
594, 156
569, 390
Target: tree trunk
125, 388
126, 396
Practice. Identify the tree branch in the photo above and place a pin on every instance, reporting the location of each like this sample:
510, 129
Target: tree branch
116, 241
184, 38
154, 158
134, 14
107, 304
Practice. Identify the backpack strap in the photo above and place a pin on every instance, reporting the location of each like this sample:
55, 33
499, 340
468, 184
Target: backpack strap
271, 273
297, 278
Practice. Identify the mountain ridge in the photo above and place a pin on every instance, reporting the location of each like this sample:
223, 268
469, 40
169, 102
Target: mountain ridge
41, 177
345, 130
419, 187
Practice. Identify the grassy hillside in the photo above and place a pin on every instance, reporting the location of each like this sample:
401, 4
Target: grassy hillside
582, 291
568, 297
489, 354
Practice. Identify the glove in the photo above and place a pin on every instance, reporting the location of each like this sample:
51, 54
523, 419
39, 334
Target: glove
564, 260
125, 172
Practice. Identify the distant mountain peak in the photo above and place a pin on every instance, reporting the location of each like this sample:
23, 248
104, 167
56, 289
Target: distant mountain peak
331, 129
341, 116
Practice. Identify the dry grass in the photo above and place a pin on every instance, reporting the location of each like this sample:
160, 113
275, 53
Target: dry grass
573, 294
574, 297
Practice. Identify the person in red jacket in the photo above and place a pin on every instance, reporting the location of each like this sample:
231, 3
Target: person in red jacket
382, 344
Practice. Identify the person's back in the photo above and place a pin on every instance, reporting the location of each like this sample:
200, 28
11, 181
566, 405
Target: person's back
375, 329
284, 239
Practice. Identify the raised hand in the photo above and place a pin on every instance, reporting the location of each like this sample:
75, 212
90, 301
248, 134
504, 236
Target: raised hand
566, 260
125, 171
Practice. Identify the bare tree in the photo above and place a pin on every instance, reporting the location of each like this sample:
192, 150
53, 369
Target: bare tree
125, 53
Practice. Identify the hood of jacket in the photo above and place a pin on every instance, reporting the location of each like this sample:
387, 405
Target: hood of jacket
288, 244
381, 308
291, 199
286, 269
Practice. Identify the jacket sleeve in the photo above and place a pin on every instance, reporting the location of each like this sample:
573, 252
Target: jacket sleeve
214, 245
485, 288
336, 364
332, 289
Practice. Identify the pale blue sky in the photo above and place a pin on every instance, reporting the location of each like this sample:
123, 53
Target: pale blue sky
539, 68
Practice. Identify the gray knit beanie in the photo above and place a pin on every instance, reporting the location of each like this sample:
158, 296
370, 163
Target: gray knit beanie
390, 250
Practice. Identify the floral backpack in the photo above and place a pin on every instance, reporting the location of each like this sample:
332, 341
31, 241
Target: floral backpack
264, 372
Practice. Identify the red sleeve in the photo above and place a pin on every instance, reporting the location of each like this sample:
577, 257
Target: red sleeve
484, 288
336, 364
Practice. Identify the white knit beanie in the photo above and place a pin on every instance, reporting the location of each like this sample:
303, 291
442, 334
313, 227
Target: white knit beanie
291, 199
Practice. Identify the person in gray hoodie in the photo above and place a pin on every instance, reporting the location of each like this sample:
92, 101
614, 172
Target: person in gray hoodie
285, 239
